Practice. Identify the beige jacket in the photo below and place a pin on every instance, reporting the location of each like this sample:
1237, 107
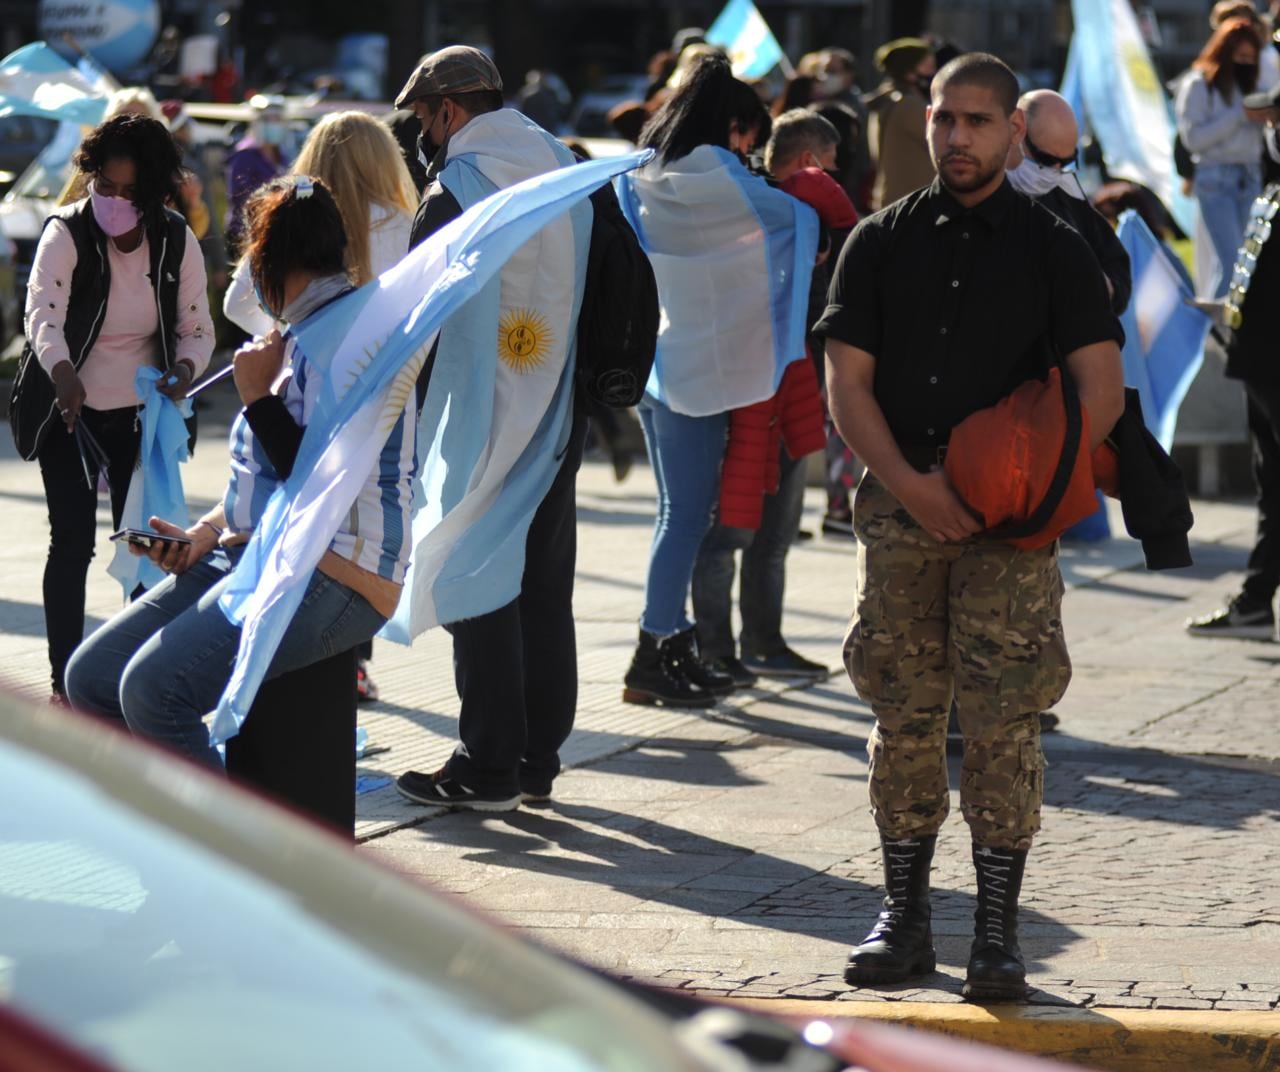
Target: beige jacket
902, 153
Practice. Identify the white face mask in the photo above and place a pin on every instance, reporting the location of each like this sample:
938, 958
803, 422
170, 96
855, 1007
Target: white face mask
1035, 180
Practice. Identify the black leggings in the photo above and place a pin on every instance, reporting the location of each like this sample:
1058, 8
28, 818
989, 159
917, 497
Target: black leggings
73, 508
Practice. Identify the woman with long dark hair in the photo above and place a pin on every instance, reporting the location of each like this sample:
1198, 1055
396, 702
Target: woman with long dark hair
117, 284
162, 664
702, 217
1225, 145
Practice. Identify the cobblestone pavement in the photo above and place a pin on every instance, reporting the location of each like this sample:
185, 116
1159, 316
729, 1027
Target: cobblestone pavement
732, 853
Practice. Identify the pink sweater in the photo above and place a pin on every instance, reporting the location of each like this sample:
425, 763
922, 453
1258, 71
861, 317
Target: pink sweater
128, 337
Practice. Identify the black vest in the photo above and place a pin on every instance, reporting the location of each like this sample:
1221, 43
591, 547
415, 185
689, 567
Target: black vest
33, 404
91, 279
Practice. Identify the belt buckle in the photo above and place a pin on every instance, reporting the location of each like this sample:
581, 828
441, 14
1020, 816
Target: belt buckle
941, 457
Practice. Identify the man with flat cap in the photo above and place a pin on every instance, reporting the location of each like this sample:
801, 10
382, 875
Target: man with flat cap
516, 666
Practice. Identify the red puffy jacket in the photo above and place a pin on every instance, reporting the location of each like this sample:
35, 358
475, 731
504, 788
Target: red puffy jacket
792, 418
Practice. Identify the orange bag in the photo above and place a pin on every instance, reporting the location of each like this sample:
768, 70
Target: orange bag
1024, 464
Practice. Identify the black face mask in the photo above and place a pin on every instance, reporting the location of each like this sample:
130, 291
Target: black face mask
1246, 75
427, 150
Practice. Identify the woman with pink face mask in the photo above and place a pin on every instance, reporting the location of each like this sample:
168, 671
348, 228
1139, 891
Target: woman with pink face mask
117, 284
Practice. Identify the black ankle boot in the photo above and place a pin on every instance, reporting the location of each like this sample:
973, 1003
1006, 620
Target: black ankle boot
683, 648
656, 677
900, 945
996, 970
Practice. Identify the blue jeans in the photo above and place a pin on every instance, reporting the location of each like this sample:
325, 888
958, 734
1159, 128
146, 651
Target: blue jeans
162, 663
764, 573
685, 453
1225, 193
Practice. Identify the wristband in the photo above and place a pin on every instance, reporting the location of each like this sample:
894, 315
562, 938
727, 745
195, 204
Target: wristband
217, 532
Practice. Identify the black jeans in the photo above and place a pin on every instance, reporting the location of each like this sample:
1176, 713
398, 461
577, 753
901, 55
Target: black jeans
1263, 576
764, 572
516, 668
73, 508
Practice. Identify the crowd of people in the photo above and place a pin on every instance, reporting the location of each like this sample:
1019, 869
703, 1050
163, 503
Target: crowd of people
857, 276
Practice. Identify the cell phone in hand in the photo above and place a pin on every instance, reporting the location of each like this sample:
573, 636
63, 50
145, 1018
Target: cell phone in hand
147, 538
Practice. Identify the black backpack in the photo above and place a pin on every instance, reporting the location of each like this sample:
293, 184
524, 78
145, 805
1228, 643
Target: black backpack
618, 323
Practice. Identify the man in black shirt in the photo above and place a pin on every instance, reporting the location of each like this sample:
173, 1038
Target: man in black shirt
941, 305
1041, 168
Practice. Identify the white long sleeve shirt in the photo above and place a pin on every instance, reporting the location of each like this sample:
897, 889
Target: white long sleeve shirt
388, 243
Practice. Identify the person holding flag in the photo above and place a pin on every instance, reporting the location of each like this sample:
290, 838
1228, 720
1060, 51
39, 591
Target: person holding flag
162, 663
515, 659
116, 296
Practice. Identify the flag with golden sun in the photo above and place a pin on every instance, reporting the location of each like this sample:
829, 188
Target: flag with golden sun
499, 407
368, 347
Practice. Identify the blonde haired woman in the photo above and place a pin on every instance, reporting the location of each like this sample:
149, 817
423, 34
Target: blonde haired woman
358, 160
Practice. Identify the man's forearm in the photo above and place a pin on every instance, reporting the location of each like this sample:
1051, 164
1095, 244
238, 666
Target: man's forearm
861, 424
1099, 375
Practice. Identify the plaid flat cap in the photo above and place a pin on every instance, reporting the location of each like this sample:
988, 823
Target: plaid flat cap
456, 69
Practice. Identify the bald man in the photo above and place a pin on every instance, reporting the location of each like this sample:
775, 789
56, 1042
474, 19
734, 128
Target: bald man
1042, 167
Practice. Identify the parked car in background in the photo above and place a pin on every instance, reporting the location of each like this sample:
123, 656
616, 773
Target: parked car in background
154, 917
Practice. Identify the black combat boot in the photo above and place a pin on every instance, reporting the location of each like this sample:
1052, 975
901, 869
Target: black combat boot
996, 971
684, 651
900, 945
656, 677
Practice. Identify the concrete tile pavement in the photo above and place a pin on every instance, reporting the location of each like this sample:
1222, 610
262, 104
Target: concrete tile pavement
732, 852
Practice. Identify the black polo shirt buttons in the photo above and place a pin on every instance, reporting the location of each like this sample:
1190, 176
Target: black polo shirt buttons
955, 282
933, 379
964, 234
942, 331
931, 433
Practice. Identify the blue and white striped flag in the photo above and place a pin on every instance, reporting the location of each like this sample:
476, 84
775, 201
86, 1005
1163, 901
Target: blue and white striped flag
155, 490
35, 80
733, 259
741, 31
1125, 102
369, 347
1164, 336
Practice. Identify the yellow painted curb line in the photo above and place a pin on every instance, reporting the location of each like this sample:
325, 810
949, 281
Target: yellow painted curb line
1111, 1040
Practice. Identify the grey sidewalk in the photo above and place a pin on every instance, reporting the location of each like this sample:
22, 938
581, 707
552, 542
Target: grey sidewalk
733, 852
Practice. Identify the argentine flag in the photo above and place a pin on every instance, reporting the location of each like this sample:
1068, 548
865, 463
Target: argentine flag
733, 257
1110, 73
155, 489
1164, 337
35, 80
741, 31
370, 346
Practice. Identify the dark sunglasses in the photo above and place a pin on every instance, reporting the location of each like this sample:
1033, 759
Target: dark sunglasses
1048, 159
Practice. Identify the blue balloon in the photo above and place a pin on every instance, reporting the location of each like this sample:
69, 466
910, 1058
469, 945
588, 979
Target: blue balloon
117, 33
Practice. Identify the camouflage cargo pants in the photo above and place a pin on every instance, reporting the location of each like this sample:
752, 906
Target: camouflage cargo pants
979, 622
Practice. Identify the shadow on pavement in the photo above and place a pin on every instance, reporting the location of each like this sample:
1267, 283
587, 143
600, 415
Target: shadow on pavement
687, 870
